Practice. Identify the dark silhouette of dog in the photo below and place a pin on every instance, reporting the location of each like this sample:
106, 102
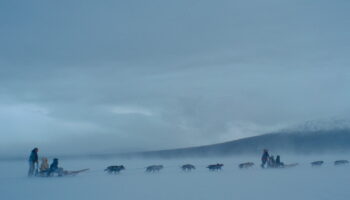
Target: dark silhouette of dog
116, 169
215, 167
154, 168
317, 163
341, 162
246, 165
188, 167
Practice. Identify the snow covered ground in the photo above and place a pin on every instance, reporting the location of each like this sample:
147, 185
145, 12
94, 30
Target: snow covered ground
301, 182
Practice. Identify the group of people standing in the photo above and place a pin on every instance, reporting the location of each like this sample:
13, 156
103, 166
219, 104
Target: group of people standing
270, 161
45, 169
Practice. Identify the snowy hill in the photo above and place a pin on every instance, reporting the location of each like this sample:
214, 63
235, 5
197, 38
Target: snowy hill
299, 142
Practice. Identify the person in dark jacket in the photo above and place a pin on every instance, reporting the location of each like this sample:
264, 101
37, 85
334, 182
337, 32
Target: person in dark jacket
278, 162
33, 158
264, 158
54, 168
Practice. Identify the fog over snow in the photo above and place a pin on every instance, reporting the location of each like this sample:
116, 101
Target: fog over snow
301, 182
82, 77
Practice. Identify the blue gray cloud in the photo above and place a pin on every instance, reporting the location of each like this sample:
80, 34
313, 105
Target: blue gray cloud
112, 76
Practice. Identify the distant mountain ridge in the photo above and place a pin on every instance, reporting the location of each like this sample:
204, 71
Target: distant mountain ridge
310, 138
320, 125
298, 142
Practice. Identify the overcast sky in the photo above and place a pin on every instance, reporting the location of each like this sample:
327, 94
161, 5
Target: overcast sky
133, 75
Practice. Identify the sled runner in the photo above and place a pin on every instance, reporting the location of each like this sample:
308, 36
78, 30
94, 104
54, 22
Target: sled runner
290, 165
61, 173
73, 173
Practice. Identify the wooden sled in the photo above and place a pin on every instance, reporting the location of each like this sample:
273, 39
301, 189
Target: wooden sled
61, 173
73, 173
290, 165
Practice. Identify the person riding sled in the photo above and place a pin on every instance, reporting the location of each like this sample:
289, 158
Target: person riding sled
60, 171
44, 167
54, 168
278, 162
271, 163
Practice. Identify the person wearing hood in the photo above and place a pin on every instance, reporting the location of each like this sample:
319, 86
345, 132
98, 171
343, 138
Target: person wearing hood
271, 162
278, 162
33, 158
44, 167
54, 168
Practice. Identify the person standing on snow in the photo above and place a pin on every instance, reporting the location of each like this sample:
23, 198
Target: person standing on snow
33, 158
264, 158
